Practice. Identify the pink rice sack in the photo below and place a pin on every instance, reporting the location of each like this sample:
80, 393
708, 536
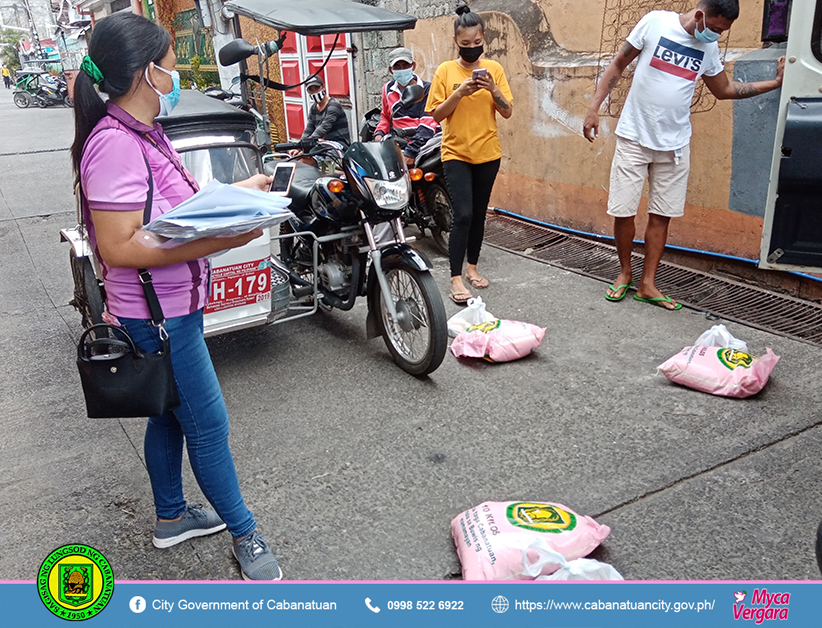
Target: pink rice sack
492, 538
720, 371
498, 341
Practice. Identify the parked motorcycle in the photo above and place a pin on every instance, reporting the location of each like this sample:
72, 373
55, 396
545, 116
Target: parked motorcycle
430, 207
41, 89
348, 239
53, 94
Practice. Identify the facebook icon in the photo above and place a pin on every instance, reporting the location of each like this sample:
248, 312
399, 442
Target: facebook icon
137, 604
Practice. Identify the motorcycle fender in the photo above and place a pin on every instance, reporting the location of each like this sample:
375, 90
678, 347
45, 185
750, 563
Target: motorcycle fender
371, 329
406, 253
81, 246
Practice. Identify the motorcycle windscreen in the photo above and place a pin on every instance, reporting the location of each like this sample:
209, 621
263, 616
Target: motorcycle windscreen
321, 17
792, 232
375, 160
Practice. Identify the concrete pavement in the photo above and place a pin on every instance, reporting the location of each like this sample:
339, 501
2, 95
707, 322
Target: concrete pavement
354, 469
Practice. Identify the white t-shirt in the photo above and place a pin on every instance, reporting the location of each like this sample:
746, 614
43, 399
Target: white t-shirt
657, 112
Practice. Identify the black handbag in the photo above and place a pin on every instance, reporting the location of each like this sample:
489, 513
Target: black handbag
119, 380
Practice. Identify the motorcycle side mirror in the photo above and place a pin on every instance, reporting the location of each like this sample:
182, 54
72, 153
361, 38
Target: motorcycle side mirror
412, 94
235, 51
236, 80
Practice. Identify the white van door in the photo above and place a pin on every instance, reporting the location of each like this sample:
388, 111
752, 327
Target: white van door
792, 233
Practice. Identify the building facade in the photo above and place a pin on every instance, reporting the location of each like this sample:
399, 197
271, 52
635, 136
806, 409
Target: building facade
553, 52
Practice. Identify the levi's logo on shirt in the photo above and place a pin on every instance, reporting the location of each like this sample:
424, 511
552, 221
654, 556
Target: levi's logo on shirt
677, 59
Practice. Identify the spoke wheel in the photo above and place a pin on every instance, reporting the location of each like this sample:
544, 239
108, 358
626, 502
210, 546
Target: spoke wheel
418, 338
439, 205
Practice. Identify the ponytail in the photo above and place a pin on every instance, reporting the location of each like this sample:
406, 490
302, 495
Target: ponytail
89, 109
121, 45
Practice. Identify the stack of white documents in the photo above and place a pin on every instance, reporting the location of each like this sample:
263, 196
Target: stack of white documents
220, 210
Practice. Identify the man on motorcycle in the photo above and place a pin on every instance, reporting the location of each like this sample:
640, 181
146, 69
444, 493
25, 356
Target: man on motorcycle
412, 122
326, 118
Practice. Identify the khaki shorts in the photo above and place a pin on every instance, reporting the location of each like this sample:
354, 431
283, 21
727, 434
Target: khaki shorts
667, 180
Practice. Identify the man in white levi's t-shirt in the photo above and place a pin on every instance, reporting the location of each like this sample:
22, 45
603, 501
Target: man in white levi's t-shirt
653, 134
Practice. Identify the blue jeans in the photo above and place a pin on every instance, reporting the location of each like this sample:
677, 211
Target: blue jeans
201, 420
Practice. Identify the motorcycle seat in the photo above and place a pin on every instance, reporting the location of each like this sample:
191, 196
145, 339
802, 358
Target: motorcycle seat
430, 148
304, 178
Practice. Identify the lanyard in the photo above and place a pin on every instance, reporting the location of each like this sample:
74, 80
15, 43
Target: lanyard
177, 166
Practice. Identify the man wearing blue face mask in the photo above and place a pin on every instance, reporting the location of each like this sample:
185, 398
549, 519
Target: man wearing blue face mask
653, 134
412, 122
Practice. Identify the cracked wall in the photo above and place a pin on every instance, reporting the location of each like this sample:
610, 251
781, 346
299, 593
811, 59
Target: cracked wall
550, 50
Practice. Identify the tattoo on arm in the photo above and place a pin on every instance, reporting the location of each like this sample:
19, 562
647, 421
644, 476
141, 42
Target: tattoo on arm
744, 90
501, 102
612, 83
627, 50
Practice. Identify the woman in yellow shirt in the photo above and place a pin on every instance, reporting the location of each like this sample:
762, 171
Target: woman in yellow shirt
467, 107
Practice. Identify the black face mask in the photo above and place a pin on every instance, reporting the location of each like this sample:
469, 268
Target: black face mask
469, 55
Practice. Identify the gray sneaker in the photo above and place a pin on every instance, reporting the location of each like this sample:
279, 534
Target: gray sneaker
197, 521
255, 558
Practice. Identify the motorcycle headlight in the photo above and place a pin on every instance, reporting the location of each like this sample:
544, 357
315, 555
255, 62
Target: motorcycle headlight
389, 194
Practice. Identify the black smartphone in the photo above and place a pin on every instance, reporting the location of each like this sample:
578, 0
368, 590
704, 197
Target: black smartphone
283, 175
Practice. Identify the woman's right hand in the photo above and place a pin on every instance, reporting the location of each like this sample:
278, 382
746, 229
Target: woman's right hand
468, 87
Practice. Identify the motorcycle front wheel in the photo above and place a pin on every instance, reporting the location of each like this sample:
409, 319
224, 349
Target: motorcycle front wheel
21, 99
439, 206
419, 338
68, 102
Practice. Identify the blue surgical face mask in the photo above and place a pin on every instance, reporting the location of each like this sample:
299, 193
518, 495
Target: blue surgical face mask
706, 36
403, 77
170, 100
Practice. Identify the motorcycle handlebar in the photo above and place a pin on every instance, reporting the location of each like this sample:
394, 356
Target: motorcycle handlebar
302, 145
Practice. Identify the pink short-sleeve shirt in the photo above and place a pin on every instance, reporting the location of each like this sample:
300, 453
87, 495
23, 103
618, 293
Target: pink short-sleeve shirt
113, 176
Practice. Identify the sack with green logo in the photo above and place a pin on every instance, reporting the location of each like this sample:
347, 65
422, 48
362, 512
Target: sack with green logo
498, 341
720, 371
496, 540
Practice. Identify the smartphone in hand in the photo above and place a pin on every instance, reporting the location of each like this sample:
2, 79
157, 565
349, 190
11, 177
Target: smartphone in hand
479, 72
283, 176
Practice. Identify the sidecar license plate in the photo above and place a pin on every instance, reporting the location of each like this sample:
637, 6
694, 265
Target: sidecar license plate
238, 285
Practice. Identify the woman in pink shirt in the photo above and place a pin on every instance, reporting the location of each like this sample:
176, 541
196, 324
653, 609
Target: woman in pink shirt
117, 145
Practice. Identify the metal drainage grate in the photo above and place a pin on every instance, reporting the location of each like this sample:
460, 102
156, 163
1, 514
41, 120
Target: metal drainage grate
731, 300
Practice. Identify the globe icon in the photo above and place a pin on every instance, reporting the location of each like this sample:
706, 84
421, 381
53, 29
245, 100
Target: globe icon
499, 604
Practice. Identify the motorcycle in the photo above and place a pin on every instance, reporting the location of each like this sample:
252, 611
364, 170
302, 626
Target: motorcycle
53, 94
348, 239
41, 89
430, 207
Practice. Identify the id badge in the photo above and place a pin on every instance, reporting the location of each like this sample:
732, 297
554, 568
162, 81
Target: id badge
677, 155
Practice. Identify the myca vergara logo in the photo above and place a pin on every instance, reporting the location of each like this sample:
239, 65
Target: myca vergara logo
763, 606
75, 582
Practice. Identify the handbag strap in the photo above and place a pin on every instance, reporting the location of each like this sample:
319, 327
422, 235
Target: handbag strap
154, 307
177, 166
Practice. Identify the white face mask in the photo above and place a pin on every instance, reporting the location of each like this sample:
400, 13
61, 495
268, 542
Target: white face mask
318, 97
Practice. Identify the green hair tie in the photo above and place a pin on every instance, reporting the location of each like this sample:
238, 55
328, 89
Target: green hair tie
89, 67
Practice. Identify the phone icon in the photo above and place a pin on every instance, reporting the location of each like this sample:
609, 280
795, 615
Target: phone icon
373, 609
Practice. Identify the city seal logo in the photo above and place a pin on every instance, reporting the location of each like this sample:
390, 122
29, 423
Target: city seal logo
75, 582
541, 517
733, 359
